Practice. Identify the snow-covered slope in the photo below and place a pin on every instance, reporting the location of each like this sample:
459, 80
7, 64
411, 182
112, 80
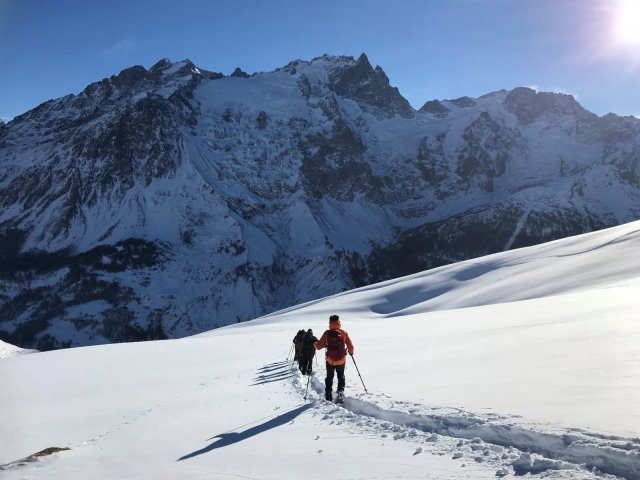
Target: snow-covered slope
8, 350
164, 202
523, 362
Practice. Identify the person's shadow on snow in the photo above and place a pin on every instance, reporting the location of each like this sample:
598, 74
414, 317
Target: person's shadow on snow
225, 439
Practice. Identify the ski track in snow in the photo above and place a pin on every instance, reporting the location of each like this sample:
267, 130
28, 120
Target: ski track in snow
495, 440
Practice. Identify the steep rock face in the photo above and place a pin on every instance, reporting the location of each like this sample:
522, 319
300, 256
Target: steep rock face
337, 166
560, 110
164, 202
435, 107
238, 73
432, 160
528, 105
370, 87
487, 149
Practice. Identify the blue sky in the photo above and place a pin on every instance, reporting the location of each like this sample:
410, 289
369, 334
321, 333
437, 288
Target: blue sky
428, 48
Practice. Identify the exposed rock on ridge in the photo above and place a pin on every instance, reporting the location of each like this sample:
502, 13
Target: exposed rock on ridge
164, 202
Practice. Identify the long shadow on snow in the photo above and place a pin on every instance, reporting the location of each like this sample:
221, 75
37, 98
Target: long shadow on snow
274, 377
275, 365
226, 439
274, 372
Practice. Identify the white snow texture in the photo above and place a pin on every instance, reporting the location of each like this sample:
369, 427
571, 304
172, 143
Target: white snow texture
525, 362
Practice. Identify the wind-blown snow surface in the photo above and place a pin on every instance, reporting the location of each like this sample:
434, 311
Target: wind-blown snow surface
526, 361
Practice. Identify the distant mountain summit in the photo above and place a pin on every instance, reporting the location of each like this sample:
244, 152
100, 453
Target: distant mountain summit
166, 201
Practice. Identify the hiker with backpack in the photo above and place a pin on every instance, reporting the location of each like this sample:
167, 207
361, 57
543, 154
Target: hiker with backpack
297, 343
337, 343
307, 352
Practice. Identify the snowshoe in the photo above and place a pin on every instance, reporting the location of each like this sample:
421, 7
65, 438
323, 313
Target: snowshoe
340, 397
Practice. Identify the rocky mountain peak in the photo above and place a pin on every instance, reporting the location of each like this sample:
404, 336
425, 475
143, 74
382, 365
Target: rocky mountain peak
239, 73
528, 105
257, 204
359, 81
162, 64
169, 69
137, 78
435, 107
347, 78
463, 102
364, 61
129, 77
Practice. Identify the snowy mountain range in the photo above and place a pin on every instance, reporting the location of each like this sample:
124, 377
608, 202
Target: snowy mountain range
165, 202
521, 364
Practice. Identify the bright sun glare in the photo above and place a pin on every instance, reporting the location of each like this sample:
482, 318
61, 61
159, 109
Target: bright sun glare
628, 23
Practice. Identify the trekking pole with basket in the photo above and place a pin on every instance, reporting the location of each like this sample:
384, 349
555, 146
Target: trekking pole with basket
354, 362
307, 390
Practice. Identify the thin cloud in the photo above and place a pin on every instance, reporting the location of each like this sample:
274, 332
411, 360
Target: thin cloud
123, 47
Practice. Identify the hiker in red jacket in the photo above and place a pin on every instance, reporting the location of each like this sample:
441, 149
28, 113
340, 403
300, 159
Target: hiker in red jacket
337, 343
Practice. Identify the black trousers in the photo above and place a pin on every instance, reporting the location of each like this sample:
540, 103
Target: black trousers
305, 362
328, 382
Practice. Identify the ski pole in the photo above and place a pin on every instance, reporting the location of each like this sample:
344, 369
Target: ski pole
307, 390
290, 350
354, 362
295, 355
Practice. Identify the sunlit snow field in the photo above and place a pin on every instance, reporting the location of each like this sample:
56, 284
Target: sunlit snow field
526, 361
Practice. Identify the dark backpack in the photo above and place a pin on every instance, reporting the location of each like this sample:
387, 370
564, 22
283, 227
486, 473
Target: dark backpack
298, 338
335, 345
297, 341
307, 344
